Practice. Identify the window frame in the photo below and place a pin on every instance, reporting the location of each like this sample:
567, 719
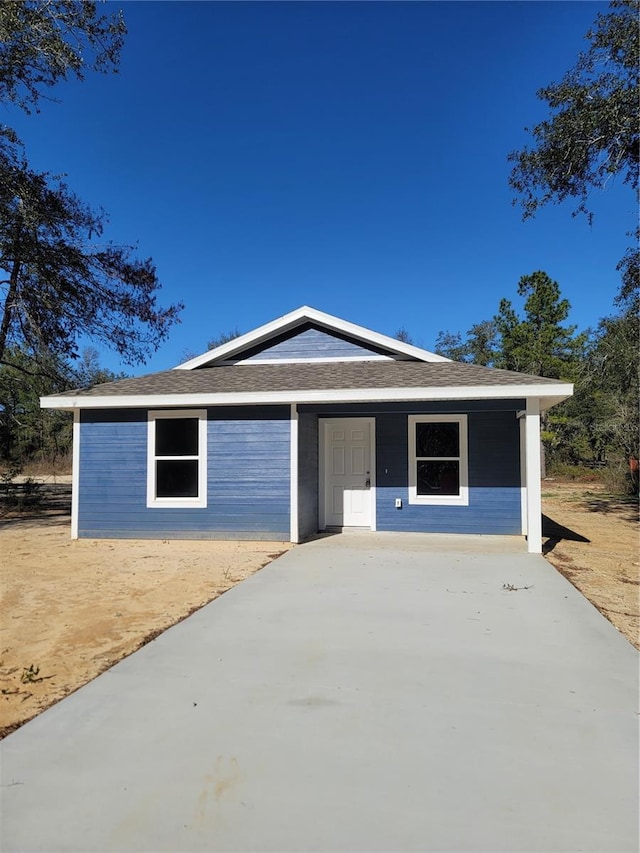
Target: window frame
462, 498
200, 501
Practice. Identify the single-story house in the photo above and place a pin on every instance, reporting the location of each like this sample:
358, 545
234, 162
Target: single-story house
307, 423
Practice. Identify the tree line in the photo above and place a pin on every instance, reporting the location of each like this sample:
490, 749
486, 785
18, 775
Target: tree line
597, 426
590, 137
29, 435
61, 279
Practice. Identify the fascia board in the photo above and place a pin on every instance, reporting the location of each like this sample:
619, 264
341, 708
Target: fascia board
330, 359
296, 318
549, 395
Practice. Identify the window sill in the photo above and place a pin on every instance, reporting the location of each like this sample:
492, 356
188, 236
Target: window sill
457, 500
177, 503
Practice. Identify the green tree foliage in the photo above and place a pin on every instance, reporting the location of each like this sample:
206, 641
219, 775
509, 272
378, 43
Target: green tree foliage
61, 281
224, 338
48, 41
479, 347
403, 335
593, 132
612, 376
59, 278
482, 343
87, 372
451, 345
628, 297
27, 432
538, 342
600, 423
24, 428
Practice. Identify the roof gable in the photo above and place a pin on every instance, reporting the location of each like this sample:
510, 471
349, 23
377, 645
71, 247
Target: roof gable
357, 343
389, 371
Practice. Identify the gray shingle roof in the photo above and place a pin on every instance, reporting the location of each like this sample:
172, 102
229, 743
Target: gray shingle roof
313, 376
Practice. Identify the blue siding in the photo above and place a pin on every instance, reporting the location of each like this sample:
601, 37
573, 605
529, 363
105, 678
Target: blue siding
248, 490
248, 473
309, 343
494, 479
494, 465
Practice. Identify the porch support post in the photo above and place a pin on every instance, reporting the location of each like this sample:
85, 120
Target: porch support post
293, 476
532, 466
75, 474
523, 473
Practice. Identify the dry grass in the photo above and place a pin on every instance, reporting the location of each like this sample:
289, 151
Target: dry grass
593, 541
71, 609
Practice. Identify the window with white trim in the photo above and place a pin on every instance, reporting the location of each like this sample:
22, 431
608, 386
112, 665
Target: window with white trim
177, 459
438, 460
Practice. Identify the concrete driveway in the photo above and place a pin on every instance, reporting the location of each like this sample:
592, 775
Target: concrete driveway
362, 693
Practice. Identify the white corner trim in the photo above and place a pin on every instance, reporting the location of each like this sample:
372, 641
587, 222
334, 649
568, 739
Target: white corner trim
548, 395
523, 473
534, 497
461, 499
274, 361
372, 476
293, 467
75, 476
296, 318
200, 502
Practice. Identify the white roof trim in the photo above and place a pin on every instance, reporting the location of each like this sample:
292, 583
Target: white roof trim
330, 358
296, 318
548, 395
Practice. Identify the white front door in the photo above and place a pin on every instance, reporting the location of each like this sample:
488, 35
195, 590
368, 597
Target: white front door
346, 498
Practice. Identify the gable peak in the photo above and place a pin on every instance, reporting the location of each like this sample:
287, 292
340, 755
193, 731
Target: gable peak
306, 314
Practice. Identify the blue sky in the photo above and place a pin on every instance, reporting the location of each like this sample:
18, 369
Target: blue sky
349, 156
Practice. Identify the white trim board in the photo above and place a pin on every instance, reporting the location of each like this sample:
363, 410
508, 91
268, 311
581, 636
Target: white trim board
462, 498
532, 464
293, 488
75, 476
548, 395
329, 359
198, 502
523, 475
306, 314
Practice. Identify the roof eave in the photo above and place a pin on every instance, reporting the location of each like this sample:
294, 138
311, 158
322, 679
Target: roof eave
548, 395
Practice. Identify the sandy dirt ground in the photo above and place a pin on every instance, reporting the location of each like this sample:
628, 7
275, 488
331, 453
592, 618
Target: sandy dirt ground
592, 539
71, 609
